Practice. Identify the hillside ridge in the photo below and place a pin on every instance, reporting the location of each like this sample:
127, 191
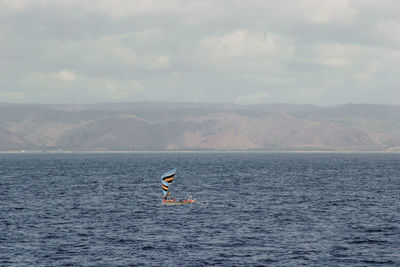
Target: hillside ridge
162, 126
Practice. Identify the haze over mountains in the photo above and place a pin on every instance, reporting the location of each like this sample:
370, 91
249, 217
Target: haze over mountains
151, 126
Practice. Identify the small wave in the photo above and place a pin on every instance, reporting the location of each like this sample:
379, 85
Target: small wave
367, 241
378, 262
148, 248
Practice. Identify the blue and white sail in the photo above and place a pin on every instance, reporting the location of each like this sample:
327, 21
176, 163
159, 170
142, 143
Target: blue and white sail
166, 180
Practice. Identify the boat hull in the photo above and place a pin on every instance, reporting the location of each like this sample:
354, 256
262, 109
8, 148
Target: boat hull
177, 203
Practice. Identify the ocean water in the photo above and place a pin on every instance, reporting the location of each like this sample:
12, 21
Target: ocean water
255, 209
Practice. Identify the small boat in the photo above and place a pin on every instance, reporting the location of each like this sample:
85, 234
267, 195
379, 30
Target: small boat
173, 202
166, 180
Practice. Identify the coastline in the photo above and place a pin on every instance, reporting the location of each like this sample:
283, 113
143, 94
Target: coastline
204, 152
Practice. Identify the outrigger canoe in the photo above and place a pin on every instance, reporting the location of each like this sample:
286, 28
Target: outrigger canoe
166, 180
171, 202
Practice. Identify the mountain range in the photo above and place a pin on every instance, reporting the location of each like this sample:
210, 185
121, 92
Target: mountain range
160, 126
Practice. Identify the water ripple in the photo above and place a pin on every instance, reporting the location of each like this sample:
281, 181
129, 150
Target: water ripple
254, 209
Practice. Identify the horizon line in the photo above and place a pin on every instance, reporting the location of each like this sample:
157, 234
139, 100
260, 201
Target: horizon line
192, 102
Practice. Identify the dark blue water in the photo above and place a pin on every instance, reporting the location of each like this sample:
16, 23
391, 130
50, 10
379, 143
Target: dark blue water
275, 209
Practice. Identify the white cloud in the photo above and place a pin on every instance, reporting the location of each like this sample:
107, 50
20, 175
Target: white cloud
11, 96
338, 55
43, 79
116, 88
125, 8
65, 75
191, 12
230, 45
334, 62
13, 4
107, 87
158, 62
325, 11
390, 30
310, 93
220, 48
299, 11
102, 51
111, 50
241, 43
246, 50
148, 35
268, 78
196, 12
369, 71
256, 98
336, 50
357, 62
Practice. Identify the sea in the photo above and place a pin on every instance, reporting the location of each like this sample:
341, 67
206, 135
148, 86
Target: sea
253, 209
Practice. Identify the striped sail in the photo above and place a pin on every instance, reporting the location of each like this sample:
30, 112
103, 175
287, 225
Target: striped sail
166, 179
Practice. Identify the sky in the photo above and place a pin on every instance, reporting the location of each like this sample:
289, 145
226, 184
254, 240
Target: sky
322, 52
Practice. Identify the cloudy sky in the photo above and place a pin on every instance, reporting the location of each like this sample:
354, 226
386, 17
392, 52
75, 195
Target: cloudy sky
293, 51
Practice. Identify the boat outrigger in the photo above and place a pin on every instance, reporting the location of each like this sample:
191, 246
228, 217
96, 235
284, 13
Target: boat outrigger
166, 180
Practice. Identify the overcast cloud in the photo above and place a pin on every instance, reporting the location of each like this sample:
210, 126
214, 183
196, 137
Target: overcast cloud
303, 51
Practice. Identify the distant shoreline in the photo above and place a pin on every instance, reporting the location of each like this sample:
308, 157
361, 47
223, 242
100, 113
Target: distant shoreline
197, 128
204, 152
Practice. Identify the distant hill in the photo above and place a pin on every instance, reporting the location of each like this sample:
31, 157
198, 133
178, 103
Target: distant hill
154, 126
